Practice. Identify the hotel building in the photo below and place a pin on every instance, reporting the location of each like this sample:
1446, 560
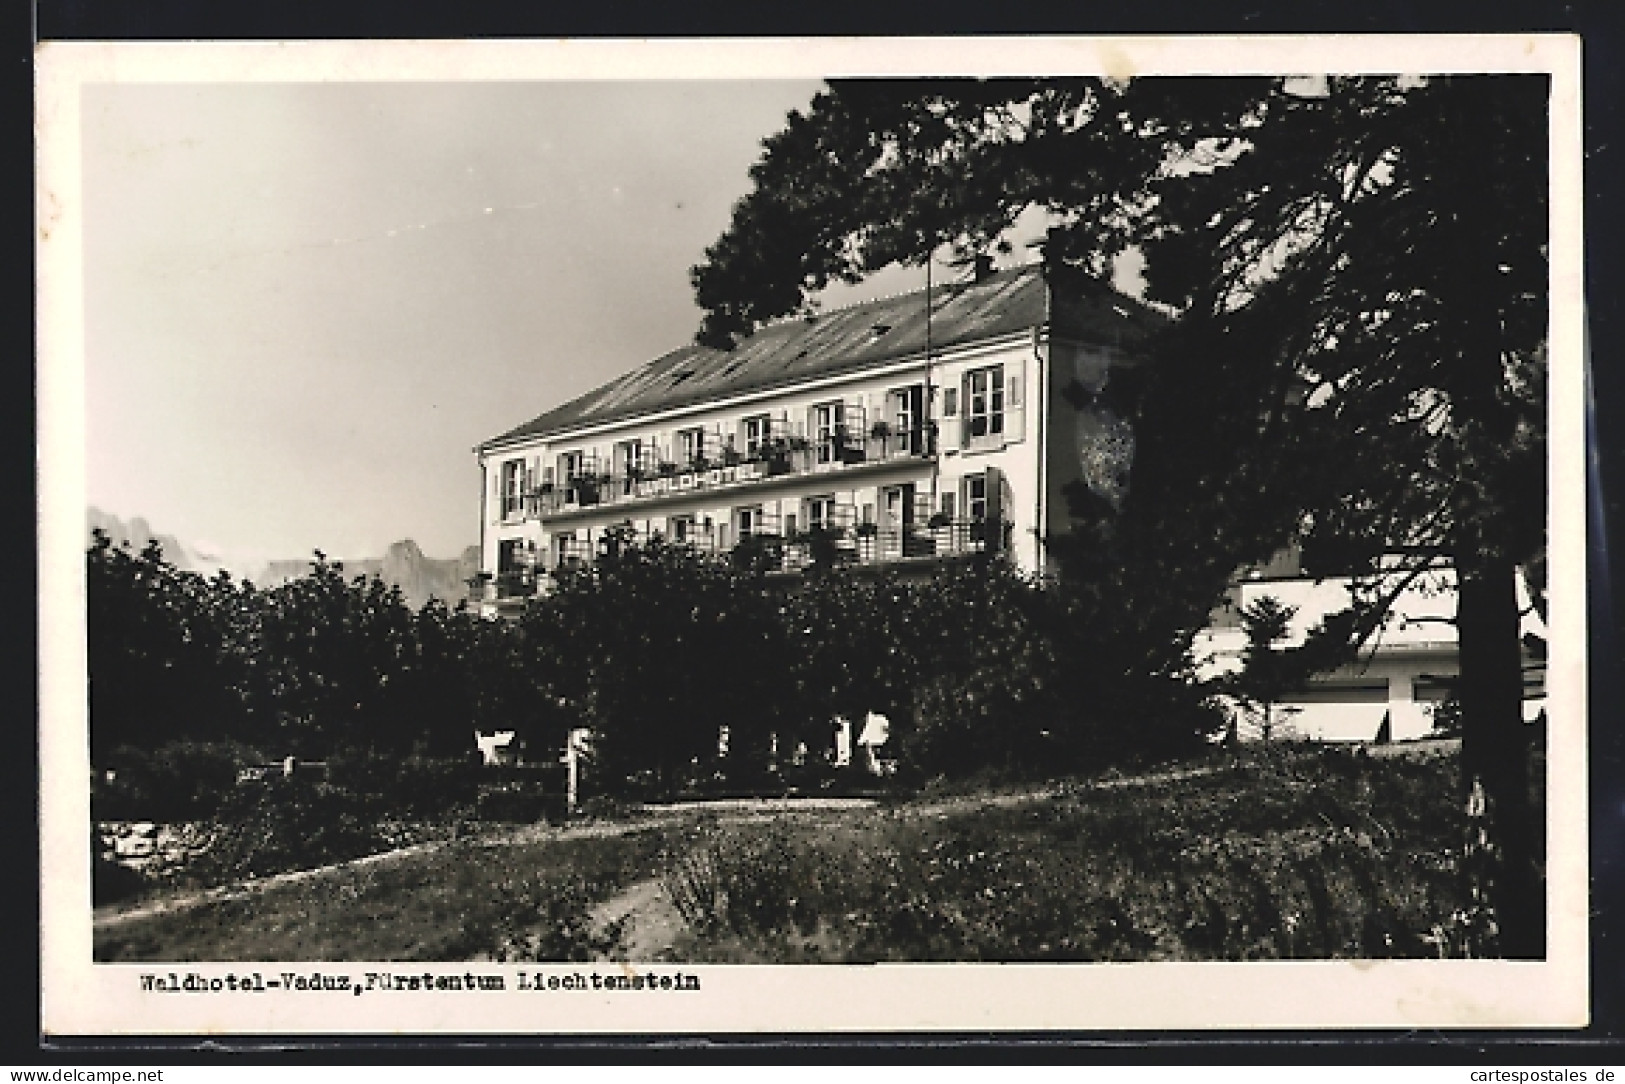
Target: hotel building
900, 431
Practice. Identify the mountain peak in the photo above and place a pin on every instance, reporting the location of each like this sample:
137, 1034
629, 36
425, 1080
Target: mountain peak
404, 563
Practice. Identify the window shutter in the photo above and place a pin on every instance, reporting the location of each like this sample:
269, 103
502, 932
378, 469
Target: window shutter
949, 427
995, 493
547, 476
964, 411
496, 494
1015, 401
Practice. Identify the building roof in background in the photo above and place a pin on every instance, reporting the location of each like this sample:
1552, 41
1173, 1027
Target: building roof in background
850, 340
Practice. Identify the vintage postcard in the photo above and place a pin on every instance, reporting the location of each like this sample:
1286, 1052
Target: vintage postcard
584, 537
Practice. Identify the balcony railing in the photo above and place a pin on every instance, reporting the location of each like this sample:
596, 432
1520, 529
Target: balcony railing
774, 553
868, 545
777, 457
863, 545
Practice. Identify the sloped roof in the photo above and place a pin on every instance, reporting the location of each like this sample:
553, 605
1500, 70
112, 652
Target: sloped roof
842, 341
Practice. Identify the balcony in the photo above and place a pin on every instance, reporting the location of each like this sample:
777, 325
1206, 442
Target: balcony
507, 592
779, 456
866, 544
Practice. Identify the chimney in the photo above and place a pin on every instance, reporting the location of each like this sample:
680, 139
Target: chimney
981, 267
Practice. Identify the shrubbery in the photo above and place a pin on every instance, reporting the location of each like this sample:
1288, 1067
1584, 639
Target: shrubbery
177, 781
410, 786
288, 824
655, 647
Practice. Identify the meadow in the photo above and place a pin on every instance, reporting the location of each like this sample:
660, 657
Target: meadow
1269, 852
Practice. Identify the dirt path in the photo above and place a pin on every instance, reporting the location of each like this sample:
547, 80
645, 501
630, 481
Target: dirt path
648, 922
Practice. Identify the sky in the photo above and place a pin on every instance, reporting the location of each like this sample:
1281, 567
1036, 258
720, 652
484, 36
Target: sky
306, 303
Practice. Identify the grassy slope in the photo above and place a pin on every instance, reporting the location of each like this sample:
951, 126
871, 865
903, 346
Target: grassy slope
1276, 853
463, 901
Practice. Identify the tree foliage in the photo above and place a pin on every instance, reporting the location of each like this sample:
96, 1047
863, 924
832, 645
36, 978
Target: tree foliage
689, 671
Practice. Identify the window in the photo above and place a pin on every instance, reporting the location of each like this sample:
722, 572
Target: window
757, 431
513, 488
827, 423
510, 556
690, 446
682, 528
897, 507
948, 506
629, 463
628, 456
950, 402
984, 402
748, 520
976, 497
906, 408
820, 513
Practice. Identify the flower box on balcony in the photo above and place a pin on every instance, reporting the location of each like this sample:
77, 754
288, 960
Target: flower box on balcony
583, 490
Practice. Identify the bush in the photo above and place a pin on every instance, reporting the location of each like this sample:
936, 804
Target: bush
523, 802
178, 781
411, 786
288, 824
986, 720
746, 884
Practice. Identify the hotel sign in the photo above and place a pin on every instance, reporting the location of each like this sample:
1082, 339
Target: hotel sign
699, 479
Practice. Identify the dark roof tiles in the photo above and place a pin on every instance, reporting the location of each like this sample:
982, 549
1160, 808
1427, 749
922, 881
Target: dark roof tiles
843, 340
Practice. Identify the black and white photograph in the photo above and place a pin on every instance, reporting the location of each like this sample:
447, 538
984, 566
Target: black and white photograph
613, 536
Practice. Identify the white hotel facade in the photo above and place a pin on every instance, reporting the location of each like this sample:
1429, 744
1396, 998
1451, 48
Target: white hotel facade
885, 432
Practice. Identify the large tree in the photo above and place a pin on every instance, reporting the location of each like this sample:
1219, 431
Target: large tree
1358, 270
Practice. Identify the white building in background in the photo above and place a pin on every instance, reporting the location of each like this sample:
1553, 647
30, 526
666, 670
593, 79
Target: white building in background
1400, 677
899, 431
